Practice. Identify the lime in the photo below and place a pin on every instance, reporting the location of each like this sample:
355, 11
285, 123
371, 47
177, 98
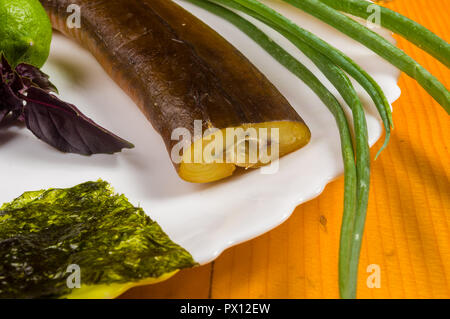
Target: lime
25, 32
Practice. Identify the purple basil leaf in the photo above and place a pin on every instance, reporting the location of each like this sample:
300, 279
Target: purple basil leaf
36, 76
63, 126
8, 98
8, 101
3, 114
6, 71
10, 86
8, 77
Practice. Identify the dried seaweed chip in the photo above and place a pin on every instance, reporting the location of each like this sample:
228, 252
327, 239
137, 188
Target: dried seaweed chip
114, 244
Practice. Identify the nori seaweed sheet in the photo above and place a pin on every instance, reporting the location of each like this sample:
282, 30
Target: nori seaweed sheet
43, 232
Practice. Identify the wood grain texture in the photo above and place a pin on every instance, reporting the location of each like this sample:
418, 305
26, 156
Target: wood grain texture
408, 224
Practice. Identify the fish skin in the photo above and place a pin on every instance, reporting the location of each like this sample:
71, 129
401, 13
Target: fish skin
175, 67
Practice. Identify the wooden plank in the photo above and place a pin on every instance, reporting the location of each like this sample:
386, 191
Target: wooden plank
192, 283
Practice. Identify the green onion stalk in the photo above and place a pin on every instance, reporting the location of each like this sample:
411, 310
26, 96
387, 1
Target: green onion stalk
386, 49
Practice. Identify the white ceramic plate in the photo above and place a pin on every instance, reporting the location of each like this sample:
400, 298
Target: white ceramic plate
205, 219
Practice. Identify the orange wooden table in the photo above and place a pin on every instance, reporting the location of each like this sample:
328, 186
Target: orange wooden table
408, 223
